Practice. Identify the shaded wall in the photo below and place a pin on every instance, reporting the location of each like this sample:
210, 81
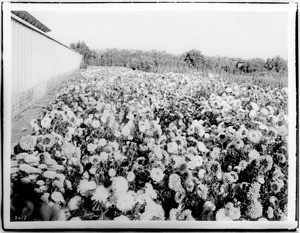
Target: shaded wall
38, 64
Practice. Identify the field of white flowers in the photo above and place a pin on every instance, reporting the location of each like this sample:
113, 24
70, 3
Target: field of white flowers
118, 144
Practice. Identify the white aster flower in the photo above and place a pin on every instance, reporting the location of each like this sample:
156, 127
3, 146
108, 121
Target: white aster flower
58, 167
112, 172
125, 131
202, 147
101, 194
29, 169
215, 153
58, 184
46, 122
60, 176
32, 177
150, 192
102, 142
153, 211
103, 156
75, 219
96, 123
197, 161
126, 201
74, 203
68, 184
157, 174
32, 159
85, 186
222, 216
71, 130
119, 184
172, 147
45, 197
178, 160
49, 174
130, 176
118, 156
40, 182
91, 147
121, 218
42, 166
57, 197
117, 133
253, 154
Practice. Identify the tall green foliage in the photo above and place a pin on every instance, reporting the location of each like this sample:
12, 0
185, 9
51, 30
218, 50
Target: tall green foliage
190, 61
195, 59
88, 54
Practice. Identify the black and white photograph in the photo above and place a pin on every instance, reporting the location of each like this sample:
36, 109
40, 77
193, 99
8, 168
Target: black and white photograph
149, 115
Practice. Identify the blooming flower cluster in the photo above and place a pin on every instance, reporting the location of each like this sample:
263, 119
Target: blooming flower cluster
117, 144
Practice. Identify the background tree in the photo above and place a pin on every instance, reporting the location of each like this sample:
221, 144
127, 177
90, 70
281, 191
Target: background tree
89, 56
190, 61
276, 64
195, 59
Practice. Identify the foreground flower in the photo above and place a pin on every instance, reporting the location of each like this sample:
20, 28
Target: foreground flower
91, 147
172, 147
222, 216
68, 149
125, 131
270, 212
126, 201
57, 197
119, 184
202, 191
46, 122
112, 172
234, 213
101, 194
255, 210
74, 203
254, 191
121, 218
29, 169
32, 159
153, 211
130, 176
215, 153
75, 219
28, 142
254, 136
85, 186
149, 191
209, 206
48, 140
52, 212
45, 197
49, 174
265, 163
253, 154
175, 182
157, 174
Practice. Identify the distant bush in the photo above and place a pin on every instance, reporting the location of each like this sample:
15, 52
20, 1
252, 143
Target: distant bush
190, 61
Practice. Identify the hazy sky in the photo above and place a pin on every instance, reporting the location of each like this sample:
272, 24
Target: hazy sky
233, 34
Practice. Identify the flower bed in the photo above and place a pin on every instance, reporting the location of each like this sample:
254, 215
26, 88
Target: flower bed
118, 144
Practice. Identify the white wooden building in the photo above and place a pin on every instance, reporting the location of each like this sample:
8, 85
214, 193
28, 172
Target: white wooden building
38, 61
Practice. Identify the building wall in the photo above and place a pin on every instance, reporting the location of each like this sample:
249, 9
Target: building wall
38, 64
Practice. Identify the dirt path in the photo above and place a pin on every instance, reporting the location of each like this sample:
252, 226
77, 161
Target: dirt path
20, 124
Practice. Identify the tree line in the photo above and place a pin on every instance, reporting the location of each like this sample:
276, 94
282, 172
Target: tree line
193, 60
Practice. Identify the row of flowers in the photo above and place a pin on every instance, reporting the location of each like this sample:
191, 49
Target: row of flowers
117, 144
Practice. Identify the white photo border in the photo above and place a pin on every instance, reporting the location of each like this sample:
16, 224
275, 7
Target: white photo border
290, 8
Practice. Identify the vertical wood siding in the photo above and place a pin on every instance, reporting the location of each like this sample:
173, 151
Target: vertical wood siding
36, 59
